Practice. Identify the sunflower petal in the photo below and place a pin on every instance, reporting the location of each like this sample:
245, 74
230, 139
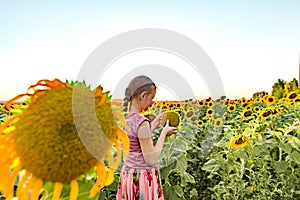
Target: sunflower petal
57, 190
36, 189
3, 177
4, 171
124, 139
7, 122
74, 190
110, 176
27, 189
11, 181
20, 189
101, 180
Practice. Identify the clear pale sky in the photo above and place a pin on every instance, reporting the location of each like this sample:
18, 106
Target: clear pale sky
252, 43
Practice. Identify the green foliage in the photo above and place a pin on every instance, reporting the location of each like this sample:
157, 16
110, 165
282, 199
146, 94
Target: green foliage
281, 88
267, 169
3, 116
77, 84
83, 84
293, 85
278, 89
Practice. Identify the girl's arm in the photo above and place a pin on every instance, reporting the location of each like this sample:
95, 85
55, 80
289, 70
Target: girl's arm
150, 151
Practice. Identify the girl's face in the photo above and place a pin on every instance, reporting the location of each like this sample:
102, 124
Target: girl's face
147, 99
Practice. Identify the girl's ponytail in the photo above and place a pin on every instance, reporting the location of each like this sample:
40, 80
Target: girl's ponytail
126, 99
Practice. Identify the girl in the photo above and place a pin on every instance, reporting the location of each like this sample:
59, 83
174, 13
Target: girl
140, 176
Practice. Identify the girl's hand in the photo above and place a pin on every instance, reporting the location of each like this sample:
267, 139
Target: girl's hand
169, 130
156, 121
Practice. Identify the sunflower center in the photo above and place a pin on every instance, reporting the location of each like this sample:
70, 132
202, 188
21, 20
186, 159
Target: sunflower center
48, 142
292, 96
231, 108
266, 114
218, 122
248, 113
240, 140
270, 99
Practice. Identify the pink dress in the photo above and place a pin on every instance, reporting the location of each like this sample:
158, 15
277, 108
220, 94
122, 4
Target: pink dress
137, 179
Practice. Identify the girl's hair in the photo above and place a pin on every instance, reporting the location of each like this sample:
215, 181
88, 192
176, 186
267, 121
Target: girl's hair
136, 86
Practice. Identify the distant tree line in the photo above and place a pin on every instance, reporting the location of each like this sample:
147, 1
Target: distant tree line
280, 89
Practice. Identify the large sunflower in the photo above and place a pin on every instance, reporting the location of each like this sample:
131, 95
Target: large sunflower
57, 138
172, 116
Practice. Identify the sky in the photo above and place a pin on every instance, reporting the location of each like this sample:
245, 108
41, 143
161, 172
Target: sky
251, 43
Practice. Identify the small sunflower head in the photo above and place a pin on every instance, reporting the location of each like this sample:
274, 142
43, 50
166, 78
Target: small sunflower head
239, 141
209, 112
172, 116
200, 123
270, 99
256, 109
297, 99
200, 103
194, 118
189, 112
265, 114
276, 111
247, 113
292, 95
218, 122
231, 107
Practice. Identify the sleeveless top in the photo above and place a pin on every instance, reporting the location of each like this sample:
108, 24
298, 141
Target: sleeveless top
135, 158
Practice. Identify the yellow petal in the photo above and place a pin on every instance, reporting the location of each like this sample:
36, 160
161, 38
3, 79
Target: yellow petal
15, 163
101, 180
57, 190
11, 181
20, 189
74, 190
27, 188
36, 189
110, 177
124, 139
9, 129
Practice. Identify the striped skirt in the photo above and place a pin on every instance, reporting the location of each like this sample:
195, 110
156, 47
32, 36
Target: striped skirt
139, 184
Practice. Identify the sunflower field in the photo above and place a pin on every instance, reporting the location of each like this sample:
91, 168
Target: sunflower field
224, 149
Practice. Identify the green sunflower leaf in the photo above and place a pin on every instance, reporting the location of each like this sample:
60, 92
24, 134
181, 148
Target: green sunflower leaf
295, 156
280, 166
286, 147
211, 166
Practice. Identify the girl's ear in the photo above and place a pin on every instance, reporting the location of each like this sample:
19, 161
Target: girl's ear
142, 96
